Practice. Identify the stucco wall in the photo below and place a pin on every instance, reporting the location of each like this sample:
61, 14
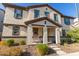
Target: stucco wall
9, 29
10, 19
28, 15
42, 14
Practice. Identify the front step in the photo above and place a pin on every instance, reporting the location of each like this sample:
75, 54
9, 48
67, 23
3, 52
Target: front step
58, 50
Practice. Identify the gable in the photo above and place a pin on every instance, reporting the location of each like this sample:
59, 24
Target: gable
42, 19
43, 23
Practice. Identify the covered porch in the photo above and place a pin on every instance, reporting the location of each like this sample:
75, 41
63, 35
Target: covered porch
38, 32
43, 31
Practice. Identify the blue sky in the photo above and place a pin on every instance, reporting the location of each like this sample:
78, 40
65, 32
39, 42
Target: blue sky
65, 8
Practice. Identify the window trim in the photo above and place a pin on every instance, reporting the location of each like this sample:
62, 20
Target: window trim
65, 20
15, 13
45, 13
38, 13
56, 15
14, 30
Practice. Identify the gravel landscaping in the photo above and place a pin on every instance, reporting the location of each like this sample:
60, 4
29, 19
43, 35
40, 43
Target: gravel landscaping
22, 50
70, 48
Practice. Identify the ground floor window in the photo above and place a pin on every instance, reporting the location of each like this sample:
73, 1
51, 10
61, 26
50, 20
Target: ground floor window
63, 32
16, 30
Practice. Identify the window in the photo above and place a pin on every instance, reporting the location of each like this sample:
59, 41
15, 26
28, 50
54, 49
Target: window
63, 33
67, 21
55, 17
46, 13
36, 13
16, 30
18, 14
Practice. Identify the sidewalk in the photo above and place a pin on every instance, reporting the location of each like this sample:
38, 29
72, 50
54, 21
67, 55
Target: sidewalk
72, 54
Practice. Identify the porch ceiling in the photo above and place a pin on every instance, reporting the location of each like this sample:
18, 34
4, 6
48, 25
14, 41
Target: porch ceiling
41, 19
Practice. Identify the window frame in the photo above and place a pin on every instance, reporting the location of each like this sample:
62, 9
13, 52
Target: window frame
56, 17
46, 12
15, 31
15, 11
67, 21
36, 16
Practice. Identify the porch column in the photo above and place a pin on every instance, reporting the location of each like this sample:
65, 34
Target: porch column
45, 41
57, 35
29, 34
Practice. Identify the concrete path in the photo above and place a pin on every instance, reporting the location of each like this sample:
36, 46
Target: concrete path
58, 50
72, 54
62, 53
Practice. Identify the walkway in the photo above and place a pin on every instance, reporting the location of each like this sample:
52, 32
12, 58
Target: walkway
72, 54
58, 50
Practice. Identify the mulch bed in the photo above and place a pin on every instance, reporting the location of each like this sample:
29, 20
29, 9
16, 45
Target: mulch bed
70, 48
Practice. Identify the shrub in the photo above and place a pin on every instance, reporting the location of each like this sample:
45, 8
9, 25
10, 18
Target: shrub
10, 42
62, 42
3, 43
42, 49
22, 42
66, 40
74, 34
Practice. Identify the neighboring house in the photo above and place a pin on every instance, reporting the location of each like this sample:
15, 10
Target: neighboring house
75, 24
35, 24
1, 21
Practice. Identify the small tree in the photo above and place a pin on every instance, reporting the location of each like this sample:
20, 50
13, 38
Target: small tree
74, 34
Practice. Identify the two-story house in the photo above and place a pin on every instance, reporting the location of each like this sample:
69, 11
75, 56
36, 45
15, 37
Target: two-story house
34, 24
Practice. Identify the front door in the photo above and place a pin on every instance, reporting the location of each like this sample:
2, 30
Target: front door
35, 35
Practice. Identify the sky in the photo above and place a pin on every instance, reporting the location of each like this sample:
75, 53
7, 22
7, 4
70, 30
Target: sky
65, 8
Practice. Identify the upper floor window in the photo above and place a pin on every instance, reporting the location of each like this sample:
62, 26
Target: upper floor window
46, 13
36, 13
16, 30
18, 14
55, 17
67, 21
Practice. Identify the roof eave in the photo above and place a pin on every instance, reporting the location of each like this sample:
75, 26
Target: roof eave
14, 6
40, 19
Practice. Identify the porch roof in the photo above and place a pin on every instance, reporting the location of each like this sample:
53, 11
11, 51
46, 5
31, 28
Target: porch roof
42, 18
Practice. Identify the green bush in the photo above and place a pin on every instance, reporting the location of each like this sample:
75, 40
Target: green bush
10, 42
62, 42
74, 34
66, 40
22, 42
42, 49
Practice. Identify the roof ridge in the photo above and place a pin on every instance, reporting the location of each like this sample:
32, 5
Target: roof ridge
35, 6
